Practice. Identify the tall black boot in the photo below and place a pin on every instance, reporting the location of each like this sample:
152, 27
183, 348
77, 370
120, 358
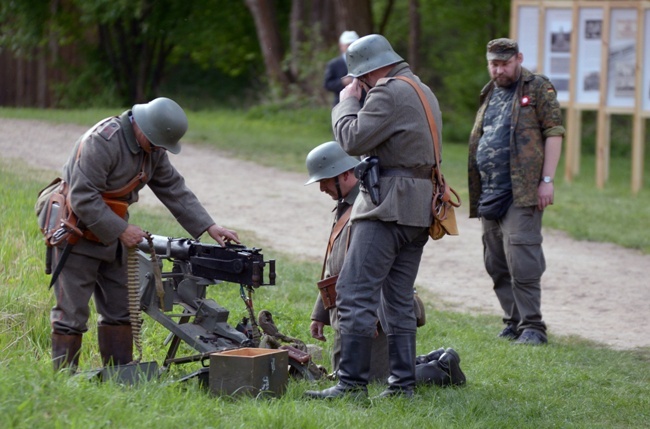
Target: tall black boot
450, 363
445, 371
354, 369
401, 356
115, 344
65, 351
429, 357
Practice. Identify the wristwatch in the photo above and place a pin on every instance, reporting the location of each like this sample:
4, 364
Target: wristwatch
547, 179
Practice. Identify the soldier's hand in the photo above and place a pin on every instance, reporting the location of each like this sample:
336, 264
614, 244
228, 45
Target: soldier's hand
132, 236
221, 234
316, 329
352, 90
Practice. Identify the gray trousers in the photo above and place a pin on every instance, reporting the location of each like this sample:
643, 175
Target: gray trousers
379, 273
82, 277
512, 250
378, 356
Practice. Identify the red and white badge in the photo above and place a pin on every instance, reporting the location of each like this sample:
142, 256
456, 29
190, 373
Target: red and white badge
525, 100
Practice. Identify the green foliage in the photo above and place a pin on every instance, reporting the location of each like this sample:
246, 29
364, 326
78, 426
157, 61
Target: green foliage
569, 383
23, 25
219, 35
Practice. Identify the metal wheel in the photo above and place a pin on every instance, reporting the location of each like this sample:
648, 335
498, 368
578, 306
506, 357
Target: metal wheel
298, 371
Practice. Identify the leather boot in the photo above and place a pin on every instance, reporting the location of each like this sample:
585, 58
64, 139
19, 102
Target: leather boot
115, 344
429, 357
65, 351
450, 363
401, 356
354, 369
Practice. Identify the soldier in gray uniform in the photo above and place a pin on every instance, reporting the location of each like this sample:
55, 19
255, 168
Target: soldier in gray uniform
387, 238
105, 159
332, 168
514, 150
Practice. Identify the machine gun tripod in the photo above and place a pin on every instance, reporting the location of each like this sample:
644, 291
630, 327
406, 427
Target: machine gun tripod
203, 323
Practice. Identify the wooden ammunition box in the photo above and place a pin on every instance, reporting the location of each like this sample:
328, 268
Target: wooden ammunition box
249, 371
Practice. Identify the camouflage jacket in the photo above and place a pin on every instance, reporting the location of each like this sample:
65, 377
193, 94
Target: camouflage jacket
536, 115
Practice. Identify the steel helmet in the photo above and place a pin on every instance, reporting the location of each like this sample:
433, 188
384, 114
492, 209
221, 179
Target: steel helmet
370, 53
328, 160
162, 121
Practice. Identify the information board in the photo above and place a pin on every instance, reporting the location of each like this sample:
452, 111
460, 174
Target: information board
590, 42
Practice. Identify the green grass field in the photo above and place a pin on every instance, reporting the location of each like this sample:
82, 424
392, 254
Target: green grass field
570, 383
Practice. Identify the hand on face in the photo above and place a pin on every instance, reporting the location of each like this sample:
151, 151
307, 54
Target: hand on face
353, 89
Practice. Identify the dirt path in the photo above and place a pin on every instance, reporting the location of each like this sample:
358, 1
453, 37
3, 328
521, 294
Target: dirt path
593, 290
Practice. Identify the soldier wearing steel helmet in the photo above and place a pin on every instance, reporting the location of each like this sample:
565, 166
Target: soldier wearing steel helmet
106, 159
387, 236
333, 169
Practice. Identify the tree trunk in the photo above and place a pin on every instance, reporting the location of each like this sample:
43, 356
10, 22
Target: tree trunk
354, 15
414, 35
269, 40
385, 17
297, 24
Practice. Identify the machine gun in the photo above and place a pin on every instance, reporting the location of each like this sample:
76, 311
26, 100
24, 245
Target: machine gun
203, 323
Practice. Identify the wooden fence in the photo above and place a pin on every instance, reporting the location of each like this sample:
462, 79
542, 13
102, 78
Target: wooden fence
29, 81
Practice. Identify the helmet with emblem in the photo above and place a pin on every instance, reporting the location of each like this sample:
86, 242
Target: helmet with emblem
370, 53
328, 160
162, 121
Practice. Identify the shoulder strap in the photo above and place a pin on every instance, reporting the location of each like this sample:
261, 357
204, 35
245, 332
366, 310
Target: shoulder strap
336, 231
432, 123
141, 177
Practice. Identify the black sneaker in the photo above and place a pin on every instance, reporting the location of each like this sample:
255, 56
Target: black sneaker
509, 333
531, 338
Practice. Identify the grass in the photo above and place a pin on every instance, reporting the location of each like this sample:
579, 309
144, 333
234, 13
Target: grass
571, 383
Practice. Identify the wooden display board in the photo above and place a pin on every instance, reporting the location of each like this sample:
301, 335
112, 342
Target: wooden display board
597, 54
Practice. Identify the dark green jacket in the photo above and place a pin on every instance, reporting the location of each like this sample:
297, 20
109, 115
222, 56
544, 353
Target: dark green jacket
536, 115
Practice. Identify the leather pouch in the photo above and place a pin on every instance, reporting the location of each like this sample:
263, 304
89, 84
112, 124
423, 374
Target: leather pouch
327, 289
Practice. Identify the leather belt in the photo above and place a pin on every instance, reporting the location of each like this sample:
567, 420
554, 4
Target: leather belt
415, 173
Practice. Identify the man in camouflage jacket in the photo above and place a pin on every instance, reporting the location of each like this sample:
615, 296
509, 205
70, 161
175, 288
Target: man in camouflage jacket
514, 150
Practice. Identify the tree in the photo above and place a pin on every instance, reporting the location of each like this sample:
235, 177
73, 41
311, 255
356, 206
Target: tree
28, 29
268, 34
305, 46
136, 38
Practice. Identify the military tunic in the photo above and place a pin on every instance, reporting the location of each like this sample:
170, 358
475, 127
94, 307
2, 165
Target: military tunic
379, 357
109, 158
386, 240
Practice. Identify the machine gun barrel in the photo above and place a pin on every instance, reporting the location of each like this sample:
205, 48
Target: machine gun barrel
232, 263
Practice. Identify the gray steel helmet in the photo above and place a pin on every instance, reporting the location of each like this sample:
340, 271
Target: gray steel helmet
163, 121
328, 160
370, 53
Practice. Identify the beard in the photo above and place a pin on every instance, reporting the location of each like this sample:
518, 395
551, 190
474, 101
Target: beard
505, 81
